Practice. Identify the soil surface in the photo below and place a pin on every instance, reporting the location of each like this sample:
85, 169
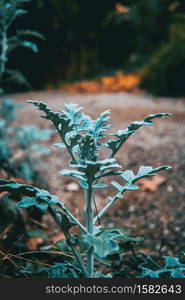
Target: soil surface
157, 210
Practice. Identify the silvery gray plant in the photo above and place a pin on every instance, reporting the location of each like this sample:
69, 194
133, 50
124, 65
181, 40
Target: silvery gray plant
84, 139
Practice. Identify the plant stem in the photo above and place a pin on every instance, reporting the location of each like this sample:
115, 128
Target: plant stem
90, 229
70, 244
72, 218
68, 148
4, 48
106, 208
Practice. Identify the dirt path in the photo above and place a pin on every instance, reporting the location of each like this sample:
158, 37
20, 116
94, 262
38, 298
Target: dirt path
135, 105
158, 214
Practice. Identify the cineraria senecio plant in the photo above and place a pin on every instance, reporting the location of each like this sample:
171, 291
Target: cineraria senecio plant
9, 11
22, 140
84, 139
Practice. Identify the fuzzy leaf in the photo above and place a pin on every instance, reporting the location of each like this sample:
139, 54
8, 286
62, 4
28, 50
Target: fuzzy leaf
105, 242
32, 46
87, 148
100, 126
29, 195
144, 171
148, 273
92, 170
84, 184
147, 171
59, 121
41, 205
117, 186
103, 246
177, 274
99, 186
172, 262
130, 178
26, 202
58, 270
172, 267
60, 145
73, 173
123, 135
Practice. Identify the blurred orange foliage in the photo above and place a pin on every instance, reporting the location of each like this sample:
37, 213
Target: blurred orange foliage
173, 6
121, 9
117, 83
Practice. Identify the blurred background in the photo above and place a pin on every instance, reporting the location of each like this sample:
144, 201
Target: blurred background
89, 39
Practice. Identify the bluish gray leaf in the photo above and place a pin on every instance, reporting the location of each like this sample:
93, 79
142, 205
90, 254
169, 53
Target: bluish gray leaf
99, 186
26, 202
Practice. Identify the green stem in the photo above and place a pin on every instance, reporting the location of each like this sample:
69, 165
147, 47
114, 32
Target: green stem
73, 218
110, 203
106, 208
4, 48
90, 229
68, 149
70, 243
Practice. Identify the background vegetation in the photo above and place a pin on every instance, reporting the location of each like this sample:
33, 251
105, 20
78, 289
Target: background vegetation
85, 39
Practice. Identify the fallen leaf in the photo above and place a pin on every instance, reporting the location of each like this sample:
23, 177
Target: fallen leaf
58, 237
151, 185
32, 243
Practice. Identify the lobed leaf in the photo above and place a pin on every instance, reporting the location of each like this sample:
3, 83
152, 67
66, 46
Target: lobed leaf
172, 266
123, 135
106, 242
73, 173
29, 195
130, 178
92, 170
100, 125
58, 270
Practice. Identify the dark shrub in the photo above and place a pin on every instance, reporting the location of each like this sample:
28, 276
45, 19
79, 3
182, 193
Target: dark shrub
164, 75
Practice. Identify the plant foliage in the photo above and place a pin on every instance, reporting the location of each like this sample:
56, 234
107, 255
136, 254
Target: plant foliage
84, 139
172, 267
10, 10
25, 140
164, 73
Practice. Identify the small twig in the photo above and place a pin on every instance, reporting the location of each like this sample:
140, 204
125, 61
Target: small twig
48, 252
29, 260
6, 256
